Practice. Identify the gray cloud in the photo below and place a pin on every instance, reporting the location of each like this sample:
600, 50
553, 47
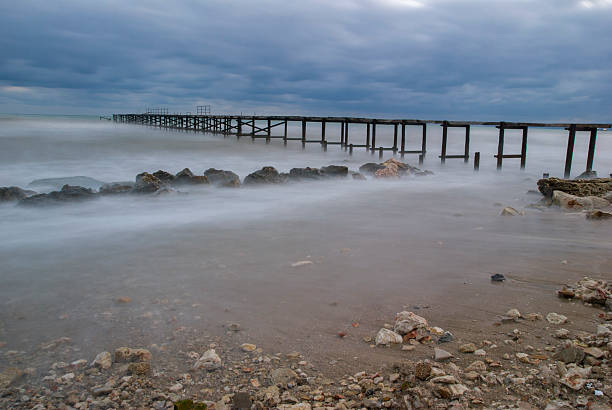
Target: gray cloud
529, 59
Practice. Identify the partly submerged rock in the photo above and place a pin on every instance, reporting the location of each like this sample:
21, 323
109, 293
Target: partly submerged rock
370, 168
146, 183
51, 184
186, 177
568, 201
579, 187
13, 193
335, 171
509, 211
598, 215
219, 177
164, 176
210, 361
115, 188
68, 193
266, 175
305, 173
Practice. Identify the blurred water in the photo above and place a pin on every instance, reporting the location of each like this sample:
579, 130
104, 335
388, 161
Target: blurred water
230, 250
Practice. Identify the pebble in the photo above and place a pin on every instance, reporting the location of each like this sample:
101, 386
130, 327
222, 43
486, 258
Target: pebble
300, 263
103, 360
513, 313
467, 348
248, 347
480, 352
210, 361
387, 337
422, 370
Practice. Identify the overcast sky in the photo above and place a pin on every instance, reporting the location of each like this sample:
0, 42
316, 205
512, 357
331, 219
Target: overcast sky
429, 59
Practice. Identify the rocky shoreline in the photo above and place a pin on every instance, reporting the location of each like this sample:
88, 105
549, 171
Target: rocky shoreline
162, 182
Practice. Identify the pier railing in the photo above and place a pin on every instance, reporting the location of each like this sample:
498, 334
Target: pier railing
261, 126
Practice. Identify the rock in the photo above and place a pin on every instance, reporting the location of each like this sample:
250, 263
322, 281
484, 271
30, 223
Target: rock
457, 390
233, 327
139, 368
477, 366
283, 376
209, 361
305, 173
406, 322
164, 177
579, 187
441, 355
248, 347
9, 376
186, 177
570, 354
358, 176
447, 379
270, 396
13, 193
146, 184
387, 337
445, 337
221, 178
467, 348
576, 378
68, 193
497, 277
241, 400
117, 188
509, 211
53, 184
567, 201
595, 352
604, 330
598, 215
103, 360
126, 354
523, 357
566, 293
480, 352
335, 171
513, 313
266, 175
422, 370
177, 387
102, 391
555, 318
370, 168
562, 333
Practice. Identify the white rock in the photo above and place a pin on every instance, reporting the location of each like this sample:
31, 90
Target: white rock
176, 387
604, 330
509, 211
209, 361
301, 263
441, 354
406, 322
568, 201
513, 313
386, 337
458, 389
480, 352
555, 318
444, 379
248, 347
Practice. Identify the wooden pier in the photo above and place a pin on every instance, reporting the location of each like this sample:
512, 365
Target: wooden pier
260, 127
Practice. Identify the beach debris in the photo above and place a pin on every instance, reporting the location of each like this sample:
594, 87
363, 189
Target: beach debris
498, 277
301, 263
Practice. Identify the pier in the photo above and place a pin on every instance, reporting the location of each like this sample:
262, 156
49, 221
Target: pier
262, 127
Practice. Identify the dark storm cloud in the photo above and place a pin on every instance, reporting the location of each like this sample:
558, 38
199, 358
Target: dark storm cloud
426, 58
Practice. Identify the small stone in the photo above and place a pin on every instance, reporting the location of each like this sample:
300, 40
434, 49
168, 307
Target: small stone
498, 277
480, 352
126, 354
9, 376
408, 347
509, 211
595, 352
422, 370
570, 354
533, 317
386, 337
234, 327
124, 299
604, 330
248, 347
444, 379
562, 333
467, 348
394, 377
175, 388
440, 354
283, 376
555, 318
300, 263
103, 360
458, 389
566, 293
406, 322
477, 366
513, 313
209, 361
445, 338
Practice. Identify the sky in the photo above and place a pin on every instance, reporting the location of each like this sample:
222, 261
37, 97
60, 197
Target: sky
539, 60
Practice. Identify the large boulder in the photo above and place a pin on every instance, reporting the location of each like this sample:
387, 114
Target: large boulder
13, 193
305, 173
115, 188
68, 193
335, 171
219, 177
567, 201
146, 183
54, 184
266, 175
186, 177
579, 187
